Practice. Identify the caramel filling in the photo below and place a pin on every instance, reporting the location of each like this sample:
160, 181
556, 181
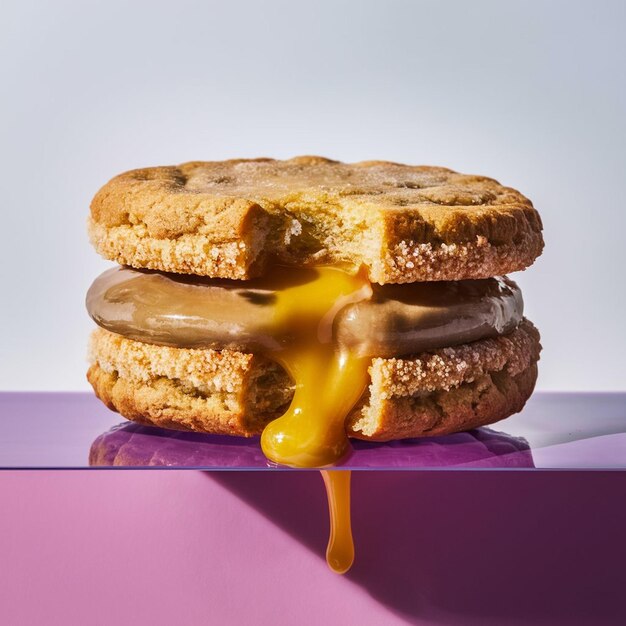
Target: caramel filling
391, 320
323, 325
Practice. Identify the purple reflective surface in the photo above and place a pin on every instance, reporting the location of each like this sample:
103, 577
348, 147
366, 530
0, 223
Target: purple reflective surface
134, 445
555, 430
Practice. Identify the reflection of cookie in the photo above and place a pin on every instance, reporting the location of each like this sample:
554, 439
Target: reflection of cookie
135, 445
227, 219
439, 392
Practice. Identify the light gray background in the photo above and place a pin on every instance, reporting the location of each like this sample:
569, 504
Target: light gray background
530, 93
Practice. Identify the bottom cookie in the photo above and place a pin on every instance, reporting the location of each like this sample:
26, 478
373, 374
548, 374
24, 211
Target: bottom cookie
228, 392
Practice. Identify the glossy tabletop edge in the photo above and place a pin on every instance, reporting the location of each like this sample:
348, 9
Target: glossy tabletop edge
556, 431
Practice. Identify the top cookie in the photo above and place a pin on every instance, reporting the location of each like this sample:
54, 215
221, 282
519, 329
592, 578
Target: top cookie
227, 219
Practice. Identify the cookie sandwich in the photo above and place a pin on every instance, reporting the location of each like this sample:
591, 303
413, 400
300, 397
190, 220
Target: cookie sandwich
309, 301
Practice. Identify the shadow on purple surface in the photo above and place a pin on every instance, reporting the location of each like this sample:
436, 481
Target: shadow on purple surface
472, 547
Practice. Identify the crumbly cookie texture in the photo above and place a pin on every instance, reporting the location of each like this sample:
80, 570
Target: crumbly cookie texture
228, 392
228, 219
220, 392
449, 390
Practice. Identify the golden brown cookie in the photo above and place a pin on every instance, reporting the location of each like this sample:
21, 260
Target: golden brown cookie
228, 392
227, 219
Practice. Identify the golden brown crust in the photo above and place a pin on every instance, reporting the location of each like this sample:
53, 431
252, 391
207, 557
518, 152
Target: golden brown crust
231, 392
225, 392
449, 390
226, 219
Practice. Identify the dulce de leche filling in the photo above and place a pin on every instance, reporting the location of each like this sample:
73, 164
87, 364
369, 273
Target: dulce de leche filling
389, 320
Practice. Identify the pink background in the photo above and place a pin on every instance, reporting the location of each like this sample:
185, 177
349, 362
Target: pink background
186, 547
